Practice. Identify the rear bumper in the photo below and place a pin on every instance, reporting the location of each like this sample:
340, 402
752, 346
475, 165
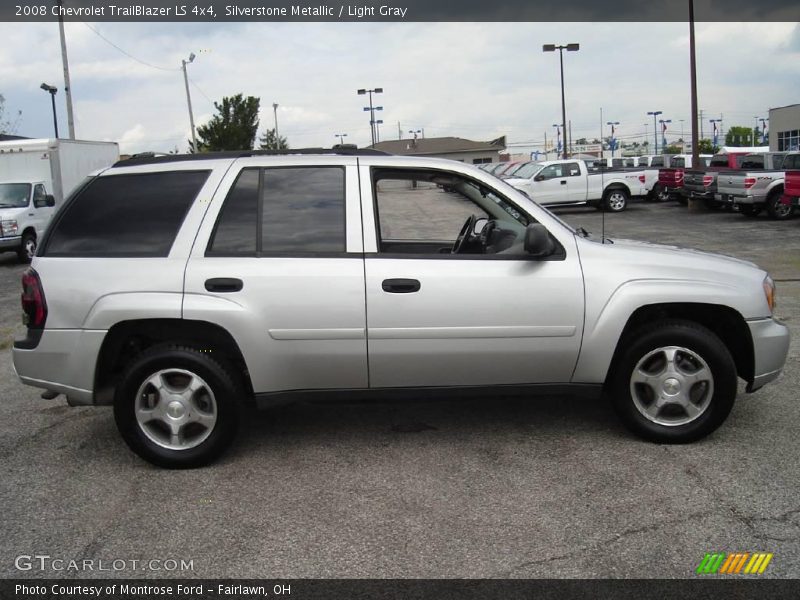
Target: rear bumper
10, 243
770, 348
64, 361
698, 195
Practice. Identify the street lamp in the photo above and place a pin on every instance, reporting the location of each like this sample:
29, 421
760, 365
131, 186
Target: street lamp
275, 110
716, 131
341, 137
568, 48
185, 62
664, 132
613, 141
371, 108
558, 138
378, 123
655, 114
52, 91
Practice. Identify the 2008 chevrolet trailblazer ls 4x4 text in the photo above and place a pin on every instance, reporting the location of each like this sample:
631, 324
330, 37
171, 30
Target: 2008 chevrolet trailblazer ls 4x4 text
180, 288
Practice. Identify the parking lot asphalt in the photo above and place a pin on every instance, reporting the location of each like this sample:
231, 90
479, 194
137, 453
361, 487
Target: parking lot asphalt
552, 487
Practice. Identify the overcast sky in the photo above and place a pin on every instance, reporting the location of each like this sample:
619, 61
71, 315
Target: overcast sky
471, 80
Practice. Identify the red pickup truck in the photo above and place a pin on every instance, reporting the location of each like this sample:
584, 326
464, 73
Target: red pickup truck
670, 179
791, 188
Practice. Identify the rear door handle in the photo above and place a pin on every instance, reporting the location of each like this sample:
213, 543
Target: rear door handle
401, 286
224, 284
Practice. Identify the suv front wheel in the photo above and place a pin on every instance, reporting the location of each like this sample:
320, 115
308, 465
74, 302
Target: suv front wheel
177, 407
674, 383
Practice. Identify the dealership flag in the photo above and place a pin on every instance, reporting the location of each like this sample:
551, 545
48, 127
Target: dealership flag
763, 131
716, 134
664, 134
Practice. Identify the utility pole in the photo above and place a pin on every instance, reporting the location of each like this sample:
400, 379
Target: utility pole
545, 144
275, 110
693, 75
65, 62
399, 131
570, 137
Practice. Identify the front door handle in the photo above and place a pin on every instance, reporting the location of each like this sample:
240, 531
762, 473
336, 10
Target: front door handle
563, 182
224, 284
401, 286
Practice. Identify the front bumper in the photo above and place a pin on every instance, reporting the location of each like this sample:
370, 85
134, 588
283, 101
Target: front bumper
770, 349
64, 361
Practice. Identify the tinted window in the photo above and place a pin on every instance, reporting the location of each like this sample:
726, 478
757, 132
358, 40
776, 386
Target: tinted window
236, 228
719, 161
657, 161
303, 210
126, 215
753, 162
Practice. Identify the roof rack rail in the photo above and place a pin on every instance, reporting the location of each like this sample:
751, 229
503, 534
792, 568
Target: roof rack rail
147, 158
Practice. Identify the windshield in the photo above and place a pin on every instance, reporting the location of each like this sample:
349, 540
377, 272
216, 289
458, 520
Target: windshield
14, 195
528, 170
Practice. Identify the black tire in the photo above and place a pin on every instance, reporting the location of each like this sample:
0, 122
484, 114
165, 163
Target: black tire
27, 248
777, 210
749, 210
718, 398
616, 199
220, 380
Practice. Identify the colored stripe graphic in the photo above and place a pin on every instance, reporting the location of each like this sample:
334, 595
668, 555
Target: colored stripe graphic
734, 563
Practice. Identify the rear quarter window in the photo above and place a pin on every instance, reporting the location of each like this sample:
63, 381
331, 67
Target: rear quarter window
128, 215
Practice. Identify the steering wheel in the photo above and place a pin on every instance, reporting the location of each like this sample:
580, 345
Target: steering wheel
486, 233
465, 233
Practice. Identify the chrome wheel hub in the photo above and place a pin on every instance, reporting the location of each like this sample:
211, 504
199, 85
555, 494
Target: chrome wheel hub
176, 409
672, 386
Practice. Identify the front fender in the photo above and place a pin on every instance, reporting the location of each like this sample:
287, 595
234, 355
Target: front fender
605, 324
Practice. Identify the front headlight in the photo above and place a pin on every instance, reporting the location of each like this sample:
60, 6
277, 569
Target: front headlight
769, 292
8, 227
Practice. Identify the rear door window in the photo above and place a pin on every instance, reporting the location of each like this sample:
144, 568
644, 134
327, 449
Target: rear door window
132, 215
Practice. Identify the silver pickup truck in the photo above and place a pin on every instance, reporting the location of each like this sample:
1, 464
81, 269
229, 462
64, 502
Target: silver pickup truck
181, 289
754, 190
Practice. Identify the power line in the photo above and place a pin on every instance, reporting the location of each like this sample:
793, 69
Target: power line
128, 54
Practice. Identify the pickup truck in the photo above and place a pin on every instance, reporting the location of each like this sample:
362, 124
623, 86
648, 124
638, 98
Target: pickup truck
701, 183
571, 182
670, 178
791, 188
183, 289
754, 190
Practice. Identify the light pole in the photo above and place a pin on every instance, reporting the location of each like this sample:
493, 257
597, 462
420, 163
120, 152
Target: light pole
663, 123
184, 62
378, 123
275, 110
341, 137
52, 91
655, 114
371, 108
558, 140
613, 141
65, 64
755, 130
568, 48
683, 141
716, 131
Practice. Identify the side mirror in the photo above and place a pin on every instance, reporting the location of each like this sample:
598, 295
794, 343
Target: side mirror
538, 242
49, 200
539, 178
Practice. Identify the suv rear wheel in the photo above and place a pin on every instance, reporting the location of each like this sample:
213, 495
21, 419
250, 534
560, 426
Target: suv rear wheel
675, 383
176, 407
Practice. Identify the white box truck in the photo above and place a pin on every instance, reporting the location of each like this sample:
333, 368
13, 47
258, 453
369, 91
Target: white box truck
36, 175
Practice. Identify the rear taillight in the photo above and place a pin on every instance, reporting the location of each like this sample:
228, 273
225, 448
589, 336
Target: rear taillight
679, 176
708, 180
641, 178
34, 307
749, 182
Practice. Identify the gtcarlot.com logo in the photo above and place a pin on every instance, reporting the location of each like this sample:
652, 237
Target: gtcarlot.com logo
734, 563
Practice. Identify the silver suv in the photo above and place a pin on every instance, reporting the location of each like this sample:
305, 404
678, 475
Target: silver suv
179, 289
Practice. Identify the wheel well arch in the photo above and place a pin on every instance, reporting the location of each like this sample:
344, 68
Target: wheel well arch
617, 186
29, 229
776, 189
725, 322
127, 339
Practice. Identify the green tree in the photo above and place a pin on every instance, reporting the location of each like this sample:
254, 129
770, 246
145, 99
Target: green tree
234, 128
7, 126
739, 136
673, 149
272, 141
705, 146
582, 142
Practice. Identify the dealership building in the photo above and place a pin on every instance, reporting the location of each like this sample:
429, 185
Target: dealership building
784, 128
